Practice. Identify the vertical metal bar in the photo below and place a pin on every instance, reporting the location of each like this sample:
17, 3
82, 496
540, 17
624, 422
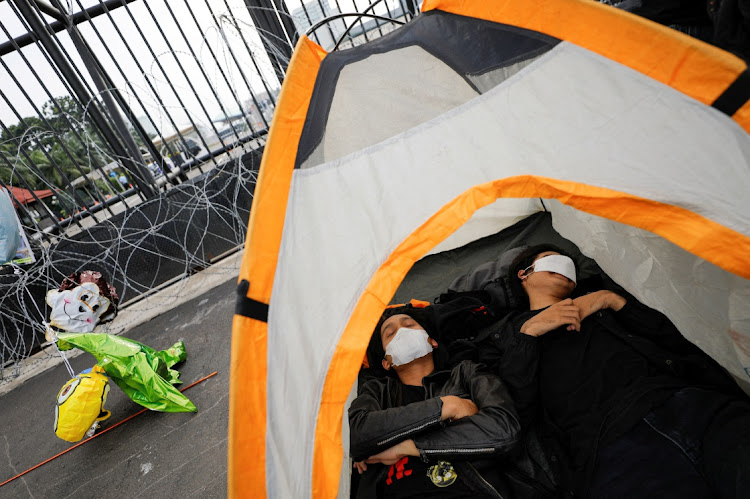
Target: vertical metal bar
100, 121
155, 154
171, 86
351, 39
148, 82
324, 14
239, 66
404, 10
413, 8
54, 100
255, 64
271, 17
362, 23
184, 73
62, 80
133, 119
309, 20
134, 158
203, 72
52, 161
96, 71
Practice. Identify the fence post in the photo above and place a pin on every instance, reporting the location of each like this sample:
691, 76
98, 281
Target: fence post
130, 154
106, 89
274, 27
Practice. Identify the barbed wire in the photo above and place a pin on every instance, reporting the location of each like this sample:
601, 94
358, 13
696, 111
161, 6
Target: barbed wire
139, 245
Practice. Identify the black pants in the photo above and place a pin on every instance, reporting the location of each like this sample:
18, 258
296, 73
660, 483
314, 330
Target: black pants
695, 445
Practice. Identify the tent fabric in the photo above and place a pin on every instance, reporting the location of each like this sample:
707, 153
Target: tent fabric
431, 275
616, 140
433, 48
247, 428
695, 68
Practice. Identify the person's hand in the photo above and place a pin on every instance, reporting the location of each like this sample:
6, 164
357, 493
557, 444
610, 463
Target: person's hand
361, 466
456, 408
393, 454
599, 300
562, 313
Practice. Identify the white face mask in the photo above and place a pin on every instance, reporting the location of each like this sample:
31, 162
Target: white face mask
407, 345
559, 264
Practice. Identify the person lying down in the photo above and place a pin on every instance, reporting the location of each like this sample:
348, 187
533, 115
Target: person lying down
610, 400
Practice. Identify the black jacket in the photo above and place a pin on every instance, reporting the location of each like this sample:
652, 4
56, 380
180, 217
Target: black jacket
648, 332
473, 444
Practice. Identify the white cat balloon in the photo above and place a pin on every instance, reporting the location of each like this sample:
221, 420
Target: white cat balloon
77, 310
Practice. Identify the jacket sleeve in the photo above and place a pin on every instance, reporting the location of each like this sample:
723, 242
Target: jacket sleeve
642, 320
519, 369
493, 431
645, 321
684, 358
374, 429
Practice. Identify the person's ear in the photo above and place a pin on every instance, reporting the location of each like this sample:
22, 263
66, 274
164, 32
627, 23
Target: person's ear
521, 274
432, 342
386, 362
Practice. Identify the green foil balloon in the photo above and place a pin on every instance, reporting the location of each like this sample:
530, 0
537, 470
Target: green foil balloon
143, 373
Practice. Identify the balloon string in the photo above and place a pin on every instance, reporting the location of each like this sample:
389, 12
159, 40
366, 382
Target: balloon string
51, 335
100, 433
65, 361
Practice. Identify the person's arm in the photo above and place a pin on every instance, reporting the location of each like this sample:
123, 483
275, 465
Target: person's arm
518, 367
592, 303
630, 313
563, 313
374, 429
454, 408
493, 431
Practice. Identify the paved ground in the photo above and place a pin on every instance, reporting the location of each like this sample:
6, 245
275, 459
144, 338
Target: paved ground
154, 455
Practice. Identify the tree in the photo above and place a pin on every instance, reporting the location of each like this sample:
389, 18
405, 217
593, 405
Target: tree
61, 146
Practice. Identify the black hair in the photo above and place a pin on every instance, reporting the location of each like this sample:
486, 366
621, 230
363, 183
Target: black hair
375, 350
524, 260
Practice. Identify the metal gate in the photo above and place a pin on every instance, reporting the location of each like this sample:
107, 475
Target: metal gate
131, 132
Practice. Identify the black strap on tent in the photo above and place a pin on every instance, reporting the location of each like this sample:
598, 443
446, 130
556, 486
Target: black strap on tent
248, 307
735, 96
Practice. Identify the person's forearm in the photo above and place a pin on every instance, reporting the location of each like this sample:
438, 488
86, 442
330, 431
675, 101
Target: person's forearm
614, 301
494, 430
518, 370
373, 430
490, 432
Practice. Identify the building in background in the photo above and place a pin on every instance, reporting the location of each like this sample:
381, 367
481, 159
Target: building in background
316, 10
260, 110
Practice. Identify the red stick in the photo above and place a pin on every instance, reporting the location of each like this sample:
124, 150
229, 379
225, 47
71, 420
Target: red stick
100, 433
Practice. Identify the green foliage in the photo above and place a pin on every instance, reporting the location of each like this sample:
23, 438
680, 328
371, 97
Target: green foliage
58, 149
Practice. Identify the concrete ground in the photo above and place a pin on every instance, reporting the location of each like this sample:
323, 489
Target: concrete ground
154, 455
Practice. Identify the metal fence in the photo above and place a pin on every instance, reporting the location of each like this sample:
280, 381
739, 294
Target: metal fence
131, 132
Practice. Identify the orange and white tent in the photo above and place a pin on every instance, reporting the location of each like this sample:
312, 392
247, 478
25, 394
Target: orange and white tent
453, 127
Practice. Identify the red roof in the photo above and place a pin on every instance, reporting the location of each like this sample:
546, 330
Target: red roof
24, 196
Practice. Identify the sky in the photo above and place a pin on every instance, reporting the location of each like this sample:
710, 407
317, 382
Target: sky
146, 70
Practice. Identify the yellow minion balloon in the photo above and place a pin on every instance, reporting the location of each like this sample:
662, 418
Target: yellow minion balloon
80, 404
